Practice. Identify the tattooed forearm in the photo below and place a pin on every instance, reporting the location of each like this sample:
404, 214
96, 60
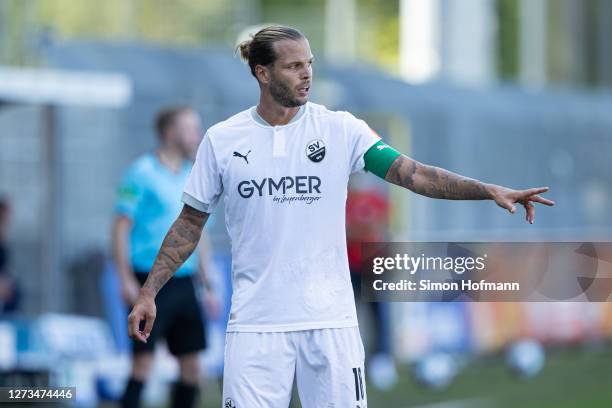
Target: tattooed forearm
402, 172
179, 244
435, 182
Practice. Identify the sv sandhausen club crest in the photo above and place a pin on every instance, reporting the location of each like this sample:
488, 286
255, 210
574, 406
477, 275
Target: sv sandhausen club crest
315, 150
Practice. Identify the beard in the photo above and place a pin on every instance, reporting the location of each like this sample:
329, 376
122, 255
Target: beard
282, 94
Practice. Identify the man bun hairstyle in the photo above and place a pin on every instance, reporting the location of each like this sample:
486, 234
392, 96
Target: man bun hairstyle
259, 50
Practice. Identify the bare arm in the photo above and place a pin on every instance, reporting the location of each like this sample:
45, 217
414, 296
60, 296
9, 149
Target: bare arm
121, 249
179, 243
435, 182
120, 244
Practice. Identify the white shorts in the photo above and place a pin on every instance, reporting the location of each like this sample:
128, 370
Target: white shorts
328, 365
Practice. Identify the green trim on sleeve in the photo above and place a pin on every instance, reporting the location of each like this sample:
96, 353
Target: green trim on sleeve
379, 158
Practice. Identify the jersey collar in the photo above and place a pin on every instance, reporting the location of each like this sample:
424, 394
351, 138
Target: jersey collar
257, 117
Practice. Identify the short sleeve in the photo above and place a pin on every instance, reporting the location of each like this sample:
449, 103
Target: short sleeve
130, 193
360, 137
204, 187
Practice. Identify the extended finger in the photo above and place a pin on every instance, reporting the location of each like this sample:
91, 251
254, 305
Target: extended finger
530, 209
541, 200
533, 191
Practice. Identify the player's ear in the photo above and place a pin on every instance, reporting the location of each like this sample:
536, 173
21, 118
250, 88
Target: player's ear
262, 74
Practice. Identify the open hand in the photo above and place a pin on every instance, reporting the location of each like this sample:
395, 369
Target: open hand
506, 198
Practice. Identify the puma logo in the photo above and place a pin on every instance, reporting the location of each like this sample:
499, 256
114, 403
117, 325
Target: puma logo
236, 154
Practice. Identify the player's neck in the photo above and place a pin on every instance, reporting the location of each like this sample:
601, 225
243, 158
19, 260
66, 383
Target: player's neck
170, 158
273, 113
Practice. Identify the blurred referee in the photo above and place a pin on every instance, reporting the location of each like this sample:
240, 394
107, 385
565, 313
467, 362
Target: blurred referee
147, 205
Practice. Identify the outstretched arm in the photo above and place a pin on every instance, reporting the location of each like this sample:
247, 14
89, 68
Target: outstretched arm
180, 242
435, 182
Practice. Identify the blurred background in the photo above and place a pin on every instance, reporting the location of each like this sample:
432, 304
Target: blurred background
513, 92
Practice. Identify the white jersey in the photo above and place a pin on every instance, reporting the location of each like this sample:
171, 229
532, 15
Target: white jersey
284, 190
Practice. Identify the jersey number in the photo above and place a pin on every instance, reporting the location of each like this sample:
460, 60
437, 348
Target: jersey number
359, 395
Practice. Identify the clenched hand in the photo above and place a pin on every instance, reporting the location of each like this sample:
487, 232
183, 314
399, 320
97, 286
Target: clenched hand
144, 310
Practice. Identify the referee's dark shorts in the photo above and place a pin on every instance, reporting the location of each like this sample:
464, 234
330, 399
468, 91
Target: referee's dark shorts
179, 318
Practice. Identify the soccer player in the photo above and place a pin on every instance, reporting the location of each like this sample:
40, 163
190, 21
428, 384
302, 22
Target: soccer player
148, 203
282, 168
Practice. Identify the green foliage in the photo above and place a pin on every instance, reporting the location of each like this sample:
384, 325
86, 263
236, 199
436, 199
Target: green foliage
508, 38
182, 22
379, 33
192, 23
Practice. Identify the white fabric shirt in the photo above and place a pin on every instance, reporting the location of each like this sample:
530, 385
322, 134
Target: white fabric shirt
284, 190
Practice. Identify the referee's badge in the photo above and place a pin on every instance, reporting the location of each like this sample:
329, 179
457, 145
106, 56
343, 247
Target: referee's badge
315, 150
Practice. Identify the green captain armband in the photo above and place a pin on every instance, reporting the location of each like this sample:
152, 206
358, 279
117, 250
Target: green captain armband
379, 158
